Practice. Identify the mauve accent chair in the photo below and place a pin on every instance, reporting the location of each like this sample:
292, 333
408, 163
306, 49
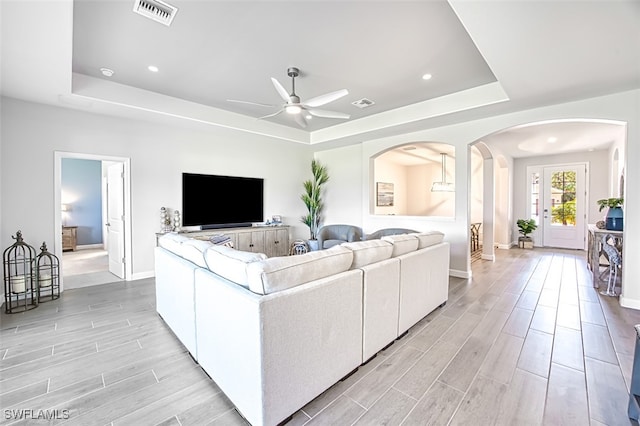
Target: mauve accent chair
389, 231
332, 235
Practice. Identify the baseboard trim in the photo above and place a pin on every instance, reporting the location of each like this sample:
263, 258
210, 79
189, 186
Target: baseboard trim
506, 246
142, 275
90, 246
626, 302
490, 257
459, 274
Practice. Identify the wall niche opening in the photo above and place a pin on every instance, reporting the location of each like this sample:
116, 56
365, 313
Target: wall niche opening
415, 179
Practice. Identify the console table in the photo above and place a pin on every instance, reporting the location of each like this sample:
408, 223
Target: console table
594, 249
270, 240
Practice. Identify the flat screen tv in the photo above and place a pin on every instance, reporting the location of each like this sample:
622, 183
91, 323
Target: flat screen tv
212, 201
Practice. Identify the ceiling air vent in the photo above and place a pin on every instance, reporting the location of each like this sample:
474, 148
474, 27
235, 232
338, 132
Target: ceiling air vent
157, 10
363, 103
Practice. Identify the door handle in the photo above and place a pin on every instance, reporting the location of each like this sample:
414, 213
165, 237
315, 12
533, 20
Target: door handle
107, 224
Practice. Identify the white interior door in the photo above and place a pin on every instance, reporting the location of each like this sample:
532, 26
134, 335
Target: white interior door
115, 219
563, 206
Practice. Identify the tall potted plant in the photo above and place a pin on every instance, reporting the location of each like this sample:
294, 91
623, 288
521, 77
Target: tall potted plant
526, 227
615, 214
312, 199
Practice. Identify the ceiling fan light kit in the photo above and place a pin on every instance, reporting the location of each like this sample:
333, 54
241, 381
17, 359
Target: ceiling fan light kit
294, 106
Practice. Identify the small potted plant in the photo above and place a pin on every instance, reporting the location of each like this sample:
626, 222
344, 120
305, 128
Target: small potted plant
615, 215
526, 227
313, 201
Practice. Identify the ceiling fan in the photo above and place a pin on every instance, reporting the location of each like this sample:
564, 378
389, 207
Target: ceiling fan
295, 107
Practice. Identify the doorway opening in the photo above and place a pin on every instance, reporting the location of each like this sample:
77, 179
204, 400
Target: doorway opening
93, 233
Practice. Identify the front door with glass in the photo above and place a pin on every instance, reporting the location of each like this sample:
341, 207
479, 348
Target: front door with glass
557, 203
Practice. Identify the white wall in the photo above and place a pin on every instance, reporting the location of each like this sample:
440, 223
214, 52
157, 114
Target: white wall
343, 195
159, 154
597, 184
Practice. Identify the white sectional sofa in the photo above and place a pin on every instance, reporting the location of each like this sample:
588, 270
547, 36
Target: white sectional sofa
274, 333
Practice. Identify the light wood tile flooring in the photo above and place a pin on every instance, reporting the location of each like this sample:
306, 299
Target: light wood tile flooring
527, 341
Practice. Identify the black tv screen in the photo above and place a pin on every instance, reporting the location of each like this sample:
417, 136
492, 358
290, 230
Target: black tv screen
212, 201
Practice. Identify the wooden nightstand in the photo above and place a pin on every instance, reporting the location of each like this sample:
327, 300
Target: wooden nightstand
69, 238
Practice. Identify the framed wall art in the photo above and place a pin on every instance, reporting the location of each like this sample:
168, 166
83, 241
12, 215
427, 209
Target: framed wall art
384, 194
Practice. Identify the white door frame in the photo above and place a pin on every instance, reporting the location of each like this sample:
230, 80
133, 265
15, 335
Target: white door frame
538, 234
57, 239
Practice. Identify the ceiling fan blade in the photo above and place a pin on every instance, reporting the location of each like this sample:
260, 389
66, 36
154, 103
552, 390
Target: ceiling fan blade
299, 118
281, 91
326, 98
270, 115
251, 103
327, 114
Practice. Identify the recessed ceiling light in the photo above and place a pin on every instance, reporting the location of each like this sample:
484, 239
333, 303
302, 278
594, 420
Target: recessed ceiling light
552, 139
308, 116
107, 72
153, 68
591, 149
427, 77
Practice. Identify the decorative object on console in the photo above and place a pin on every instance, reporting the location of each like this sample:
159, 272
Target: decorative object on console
176, 221
20, 291
221, 240
165, 220
526, 227
615, 215
615, 262
601, 224
47, 272
312, 199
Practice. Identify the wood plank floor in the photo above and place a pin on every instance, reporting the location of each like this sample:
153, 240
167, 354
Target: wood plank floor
527, 341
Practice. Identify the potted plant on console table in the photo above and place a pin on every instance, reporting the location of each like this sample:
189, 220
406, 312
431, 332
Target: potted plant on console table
615, 215
526, 227
313, 201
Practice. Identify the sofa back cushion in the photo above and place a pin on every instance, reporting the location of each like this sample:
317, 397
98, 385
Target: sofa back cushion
368, 252
402, 244
193, 251
230, 263
280, 273
172, 242
428, 238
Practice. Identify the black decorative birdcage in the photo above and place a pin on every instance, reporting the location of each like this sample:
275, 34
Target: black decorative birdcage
20, 290
47, 270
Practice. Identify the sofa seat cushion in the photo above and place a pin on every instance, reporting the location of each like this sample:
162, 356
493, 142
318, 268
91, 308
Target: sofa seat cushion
230, 263
428, 238
402, 244
368, 252
193, 251
280, 273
